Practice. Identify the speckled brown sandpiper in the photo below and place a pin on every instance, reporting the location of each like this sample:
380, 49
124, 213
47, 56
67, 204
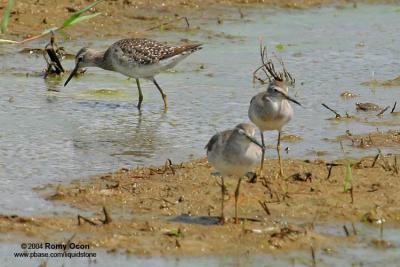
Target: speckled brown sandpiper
136, 58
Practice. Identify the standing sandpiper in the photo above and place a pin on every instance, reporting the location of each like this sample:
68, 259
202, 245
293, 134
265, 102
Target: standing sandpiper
271, 110
136, 58
234, 153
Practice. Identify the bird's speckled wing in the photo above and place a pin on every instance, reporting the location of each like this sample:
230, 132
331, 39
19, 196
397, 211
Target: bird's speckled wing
145, 51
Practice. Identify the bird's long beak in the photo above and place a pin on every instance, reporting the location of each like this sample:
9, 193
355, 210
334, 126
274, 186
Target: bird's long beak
74, 71
291, 99
252, 139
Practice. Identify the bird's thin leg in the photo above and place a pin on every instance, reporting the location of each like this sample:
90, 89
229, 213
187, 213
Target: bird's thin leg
223, 190
140, 94
236, 200
262, 154
164, 96
278, 148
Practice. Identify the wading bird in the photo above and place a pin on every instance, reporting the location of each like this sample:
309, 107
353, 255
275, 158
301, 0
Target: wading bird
270, 110
136, 58
234, 153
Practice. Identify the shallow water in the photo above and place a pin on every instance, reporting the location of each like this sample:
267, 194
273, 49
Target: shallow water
52, 133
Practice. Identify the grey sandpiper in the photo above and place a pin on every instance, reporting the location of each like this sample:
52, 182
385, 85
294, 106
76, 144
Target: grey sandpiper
136, 58
270, 110
234, 153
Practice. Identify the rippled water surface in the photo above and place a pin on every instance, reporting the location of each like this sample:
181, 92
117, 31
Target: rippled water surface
50, 133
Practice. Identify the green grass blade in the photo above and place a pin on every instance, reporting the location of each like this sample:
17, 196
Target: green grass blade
347, 179
6, 16
73, 17
81, 18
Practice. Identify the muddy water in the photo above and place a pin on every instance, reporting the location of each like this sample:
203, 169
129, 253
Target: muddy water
55, 134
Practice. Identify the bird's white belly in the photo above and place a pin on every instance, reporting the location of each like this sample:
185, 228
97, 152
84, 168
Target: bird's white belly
241, 164
135, 70
275, 117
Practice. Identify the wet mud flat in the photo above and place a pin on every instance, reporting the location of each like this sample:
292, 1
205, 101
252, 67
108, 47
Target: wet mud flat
130, 18
173, 209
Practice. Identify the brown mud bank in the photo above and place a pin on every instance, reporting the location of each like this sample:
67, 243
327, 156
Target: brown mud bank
174, 209
130, 18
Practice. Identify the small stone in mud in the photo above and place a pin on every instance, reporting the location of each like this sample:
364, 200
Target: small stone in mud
347, 94
367, 106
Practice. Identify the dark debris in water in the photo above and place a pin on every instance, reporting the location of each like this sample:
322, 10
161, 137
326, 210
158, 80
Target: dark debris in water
367, 106
202, 220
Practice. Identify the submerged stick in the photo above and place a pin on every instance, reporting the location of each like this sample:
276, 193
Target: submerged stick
383, 111
346, 231
394, 107
354, 228
334, 111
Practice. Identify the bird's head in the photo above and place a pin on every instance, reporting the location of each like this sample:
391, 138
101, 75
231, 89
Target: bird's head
84, 58
245, 133
280, 89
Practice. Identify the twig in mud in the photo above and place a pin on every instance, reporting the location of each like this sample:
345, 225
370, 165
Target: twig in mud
354, 228
265, 184
383, 111
263, 205
375, 160
330, 167
381, 229
80, 217
394, 107
314, 262
387, 165
396, 169
69, 242
337, 115
167, 23
168, 164
107, 218
351, 195
329, 172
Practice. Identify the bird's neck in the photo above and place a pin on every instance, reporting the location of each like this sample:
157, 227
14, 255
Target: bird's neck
99, 59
